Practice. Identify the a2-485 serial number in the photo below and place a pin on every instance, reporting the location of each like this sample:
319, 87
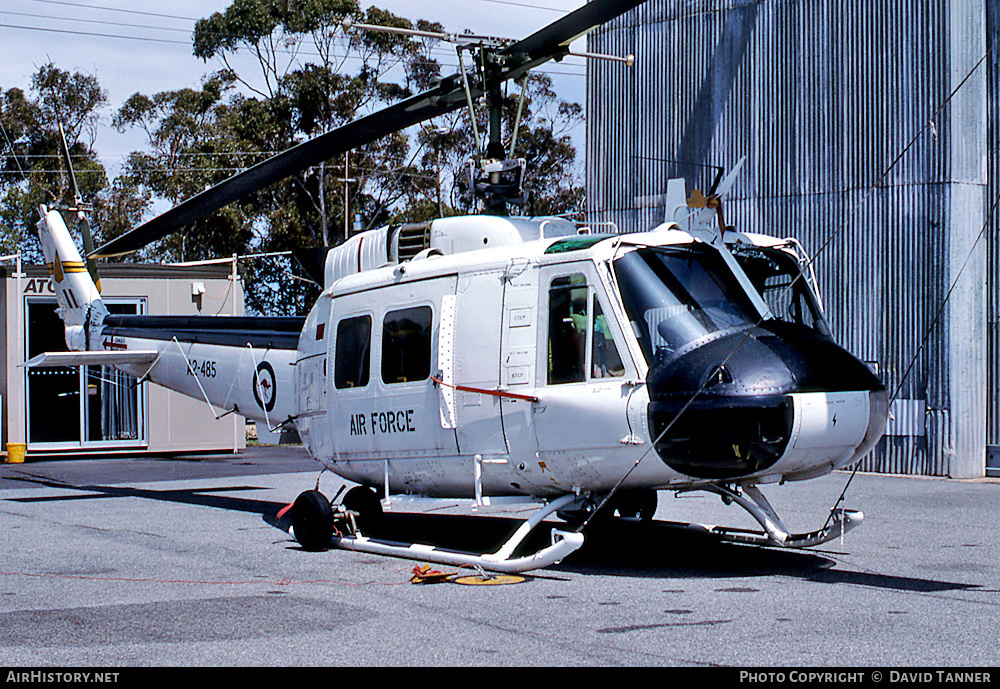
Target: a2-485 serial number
205, 368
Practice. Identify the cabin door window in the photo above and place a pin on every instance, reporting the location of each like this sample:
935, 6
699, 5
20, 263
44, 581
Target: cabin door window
580, 339
584, 403
406, 345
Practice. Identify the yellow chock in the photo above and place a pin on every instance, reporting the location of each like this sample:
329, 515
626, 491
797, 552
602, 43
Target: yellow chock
16, 452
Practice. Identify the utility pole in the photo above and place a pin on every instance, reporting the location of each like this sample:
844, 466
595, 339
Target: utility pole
322, 204
347, 194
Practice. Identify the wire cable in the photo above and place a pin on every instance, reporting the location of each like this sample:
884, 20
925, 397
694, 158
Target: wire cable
844, 223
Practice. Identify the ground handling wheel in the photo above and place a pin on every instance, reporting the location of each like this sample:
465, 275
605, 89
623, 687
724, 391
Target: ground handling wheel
367, 509
312, 520
635, 504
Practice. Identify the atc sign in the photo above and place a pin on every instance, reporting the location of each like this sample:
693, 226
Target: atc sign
39, 286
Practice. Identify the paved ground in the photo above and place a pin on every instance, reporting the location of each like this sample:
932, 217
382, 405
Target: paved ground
126, 562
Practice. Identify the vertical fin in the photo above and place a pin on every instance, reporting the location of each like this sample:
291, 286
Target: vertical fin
80, 305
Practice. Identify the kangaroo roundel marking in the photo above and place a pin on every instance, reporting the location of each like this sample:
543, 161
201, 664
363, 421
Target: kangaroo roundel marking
264, 386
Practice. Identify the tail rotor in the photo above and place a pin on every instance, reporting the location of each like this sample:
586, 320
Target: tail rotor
82, 224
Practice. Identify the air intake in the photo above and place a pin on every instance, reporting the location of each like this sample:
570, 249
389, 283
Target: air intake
411, 239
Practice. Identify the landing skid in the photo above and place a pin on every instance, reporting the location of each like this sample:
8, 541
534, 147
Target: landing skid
775, 533
562, 544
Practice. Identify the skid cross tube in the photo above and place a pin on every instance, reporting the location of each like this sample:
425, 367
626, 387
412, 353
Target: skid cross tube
775, 533
563, 543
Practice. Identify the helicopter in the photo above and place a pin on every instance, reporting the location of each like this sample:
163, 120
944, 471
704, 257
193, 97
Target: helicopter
505, 358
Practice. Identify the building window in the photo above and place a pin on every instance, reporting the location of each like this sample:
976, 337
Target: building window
353, 355
79, 406
406, 345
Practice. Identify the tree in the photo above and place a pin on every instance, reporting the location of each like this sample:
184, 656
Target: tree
198, 137
313, 78
33, 171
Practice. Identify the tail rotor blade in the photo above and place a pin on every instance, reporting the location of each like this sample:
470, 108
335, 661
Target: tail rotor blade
77, 199
82, 222
88, 249
730, 180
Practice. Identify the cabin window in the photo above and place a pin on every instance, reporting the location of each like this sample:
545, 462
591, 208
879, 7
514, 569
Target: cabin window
605, 362
353, 356
568, 297
406, 345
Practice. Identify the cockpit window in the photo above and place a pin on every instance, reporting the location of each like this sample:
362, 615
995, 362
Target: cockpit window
576, 318
779, 280
675, 296
605, 362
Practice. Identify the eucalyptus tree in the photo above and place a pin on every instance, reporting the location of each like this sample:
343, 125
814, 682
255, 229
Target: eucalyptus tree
33, 169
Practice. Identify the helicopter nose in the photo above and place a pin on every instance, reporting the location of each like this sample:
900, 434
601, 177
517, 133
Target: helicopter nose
778, 399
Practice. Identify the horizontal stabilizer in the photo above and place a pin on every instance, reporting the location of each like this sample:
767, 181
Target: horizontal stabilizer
91, 358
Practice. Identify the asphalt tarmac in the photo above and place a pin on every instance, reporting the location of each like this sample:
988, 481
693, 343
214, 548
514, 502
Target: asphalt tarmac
177, 562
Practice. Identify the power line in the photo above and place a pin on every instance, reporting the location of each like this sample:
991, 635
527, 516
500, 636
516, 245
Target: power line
206, 170
187, 43
525, 5
79, 20
114, 9
173, 29
94, 34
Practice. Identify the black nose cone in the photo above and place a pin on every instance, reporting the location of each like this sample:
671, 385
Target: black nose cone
724, 401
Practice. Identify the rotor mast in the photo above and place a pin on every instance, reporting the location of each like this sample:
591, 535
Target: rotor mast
491, 176
497, 180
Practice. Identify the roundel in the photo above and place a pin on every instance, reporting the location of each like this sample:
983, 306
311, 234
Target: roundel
264, 386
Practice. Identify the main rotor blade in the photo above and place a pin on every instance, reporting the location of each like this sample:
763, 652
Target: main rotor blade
449, 95
307, 154
553, 40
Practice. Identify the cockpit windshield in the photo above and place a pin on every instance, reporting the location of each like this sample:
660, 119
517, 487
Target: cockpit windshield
675, 296
778, 278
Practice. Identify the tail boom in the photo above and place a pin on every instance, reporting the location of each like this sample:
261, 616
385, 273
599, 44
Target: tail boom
237, 365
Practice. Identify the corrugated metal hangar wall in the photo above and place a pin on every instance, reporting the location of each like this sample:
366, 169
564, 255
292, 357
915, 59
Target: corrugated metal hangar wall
869, 130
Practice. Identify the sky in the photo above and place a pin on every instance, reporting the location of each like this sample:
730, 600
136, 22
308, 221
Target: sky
146, 47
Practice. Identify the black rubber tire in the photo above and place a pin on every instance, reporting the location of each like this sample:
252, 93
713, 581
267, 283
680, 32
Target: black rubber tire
312, 520
637, 504
368, 507
647, 505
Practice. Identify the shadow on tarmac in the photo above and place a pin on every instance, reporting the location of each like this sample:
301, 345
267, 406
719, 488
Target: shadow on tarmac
204, 497
631, 549
615, 548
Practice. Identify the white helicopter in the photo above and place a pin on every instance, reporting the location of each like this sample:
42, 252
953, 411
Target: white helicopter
491, 357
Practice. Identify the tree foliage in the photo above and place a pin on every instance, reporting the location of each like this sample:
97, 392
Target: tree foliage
33, 170
309, 77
